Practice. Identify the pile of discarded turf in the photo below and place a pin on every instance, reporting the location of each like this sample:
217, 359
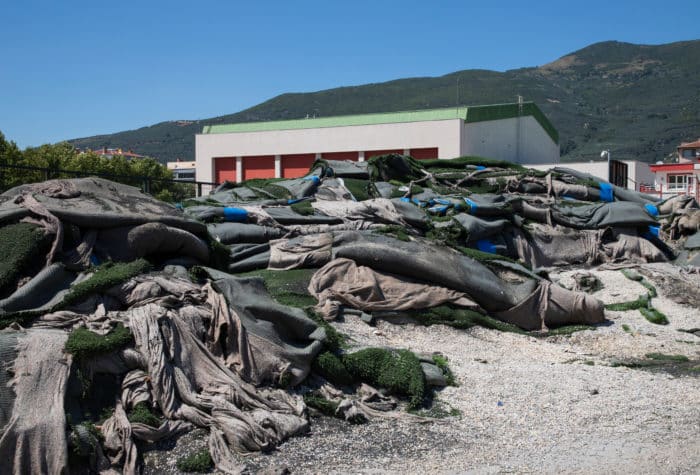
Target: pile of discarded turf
126, 319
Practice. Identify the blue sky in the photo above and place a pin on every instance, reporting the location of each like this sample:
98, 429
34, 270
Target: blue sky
73, 68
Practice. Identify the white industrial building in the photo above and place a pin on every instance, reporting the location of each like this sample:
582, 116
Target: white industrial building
630, 174
517, 132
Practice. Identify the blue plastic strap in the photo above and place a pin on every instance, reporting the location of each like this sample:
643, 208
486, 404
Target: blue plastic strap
486, 246
407, 200
472, 205
654, 230
313, 178
237, 215
651, 209
443, 201
480, 167
438, 209
606, 191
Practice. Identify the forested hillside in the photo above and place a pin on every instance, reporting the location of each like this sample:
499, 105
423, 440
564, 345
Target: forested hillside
638, 101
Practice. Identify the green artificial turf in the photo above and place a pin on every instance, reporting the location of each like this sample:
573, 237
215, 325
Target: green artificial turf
82, 343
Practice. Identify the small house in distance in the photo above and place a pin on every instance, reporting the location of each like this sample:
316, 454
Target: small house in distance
517, 132
182, 170
680, 177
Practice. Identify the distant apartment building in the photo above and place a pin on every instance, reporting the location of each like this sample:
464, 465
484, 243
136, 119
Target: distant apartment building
182, 170
517, 132
680, 177
112, 152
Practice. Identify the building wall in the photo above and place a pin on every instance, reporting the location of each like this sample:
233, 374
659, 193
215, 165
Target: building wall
444, 134
597, 169
640, 173
661, 183
521, 140
637, 172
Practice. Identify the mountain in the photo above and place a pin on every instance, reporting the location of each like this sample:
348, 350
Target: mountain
638, 101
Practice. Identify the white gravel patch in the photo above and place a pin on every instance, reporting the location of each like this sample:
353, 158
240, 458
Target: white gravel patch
526, 404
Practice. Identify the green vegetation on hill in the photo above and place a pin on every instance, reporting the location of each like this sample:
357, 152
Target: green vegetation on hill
638, 101
62, 160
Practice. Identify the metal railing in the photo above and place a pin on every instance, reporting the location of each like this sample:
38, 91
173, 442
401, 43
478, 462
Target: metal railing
36, 174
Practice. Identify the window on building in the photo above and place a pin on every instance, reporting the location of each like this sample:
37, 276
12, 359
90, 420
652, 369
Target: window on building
688, 153
187, 175
679, 182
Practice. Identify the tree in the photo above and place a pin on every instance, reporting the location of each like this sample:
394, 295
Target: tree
10, 154
143, 172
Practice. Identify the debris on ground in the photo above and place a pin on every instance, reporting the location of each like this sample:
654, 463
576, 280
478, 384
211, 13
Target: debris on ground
140, 322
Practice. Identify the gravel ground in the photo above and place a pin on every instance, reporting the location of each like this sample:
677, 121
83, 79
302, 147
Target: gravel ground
525, 404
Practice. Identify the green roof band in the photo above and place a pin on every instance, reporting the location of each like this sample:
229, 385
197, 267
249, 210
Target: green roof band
468, 114
509, 111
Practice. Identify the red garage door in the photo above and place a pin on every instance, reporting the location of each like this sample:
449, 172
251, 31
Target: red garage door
258, 166
373, 153
224, 169
294, 166
424, 153
354, 156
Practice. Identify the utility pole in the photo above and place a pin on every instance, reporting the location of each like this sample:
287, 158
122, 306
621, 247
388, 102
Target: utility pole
459, 80
517, 128
605, 154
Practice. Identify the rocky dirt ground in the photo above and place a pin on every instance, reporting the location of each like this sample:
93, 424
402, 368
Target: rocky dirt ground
608, 400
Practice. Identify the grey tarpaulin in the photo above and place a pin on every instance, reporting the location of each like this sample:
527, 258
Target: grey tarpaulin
234, 233
619, 213
427, 262
343, 282
219, 352
266, 341
34, 439
98, 203
546, 246
116, 221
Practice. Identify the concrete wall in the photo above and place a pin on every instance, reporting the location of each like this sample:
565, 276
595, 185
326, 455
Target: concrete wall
597, 169
444, 134
637, 172
521, 140
640, 173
